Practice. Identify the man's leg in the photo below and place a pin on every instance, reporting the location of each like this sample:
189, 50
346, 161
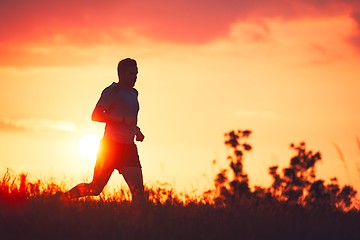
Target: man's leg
93, 188
102, 173
134, 179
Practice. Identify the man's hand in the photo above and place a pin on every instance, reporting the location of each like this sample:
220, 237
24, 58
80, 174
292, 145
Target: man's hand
139, 135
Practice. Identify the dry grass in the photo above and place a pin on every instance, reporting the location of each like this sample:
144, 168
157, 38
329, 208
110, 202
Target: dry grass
30, 210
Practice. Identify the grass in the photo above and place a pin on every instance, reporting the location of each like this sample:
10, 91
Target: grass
30, 210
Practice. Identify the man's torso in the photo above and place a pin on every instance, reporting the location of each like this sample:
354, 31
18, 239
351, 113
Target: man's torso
120, 102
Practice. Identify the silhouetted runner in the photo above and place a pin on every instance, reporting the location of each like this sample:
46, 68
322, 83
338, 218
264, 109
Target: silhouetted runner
118, 107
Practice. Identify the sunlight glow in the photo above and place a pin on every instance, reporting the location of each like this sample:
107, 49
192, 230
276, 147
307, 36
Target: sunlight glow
88, 145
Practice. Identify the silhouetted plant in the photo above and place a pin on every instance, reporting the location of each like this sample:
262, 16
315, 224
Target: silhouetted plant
346, 196
232, 188
299, 185
295, 184
330, 195
297, 177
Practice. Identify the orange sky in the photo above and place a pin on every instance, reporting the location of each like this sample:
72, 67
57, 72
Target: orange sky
287, 70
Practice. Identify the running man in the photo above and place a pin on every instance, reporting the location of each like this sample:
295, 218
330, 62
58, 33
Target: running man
118, 107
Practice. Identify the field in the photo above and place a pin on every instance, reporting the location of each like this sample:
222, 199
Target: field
31, 210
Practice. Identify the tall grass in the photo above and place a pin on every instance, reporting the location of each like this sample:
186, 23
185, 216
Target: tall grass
343, 160
31, 210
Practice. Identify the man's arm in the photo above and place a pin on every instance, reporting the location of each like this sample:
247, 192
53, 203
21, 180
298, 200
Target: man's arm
99, 115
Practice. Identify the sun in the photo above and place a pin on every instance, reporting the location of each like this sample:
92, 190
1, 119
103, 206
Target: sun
88, 145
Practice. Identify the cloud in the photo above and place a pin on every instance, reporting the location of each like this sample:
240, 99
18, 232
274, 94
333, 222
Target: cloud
90, 22
85, 23
355, 39
32, 124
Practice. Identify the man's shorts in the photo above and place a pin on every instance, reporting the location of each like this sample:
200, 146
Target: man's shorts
116, 155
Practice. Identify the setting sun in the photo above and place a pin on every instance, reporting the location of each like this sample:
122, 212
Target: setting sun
88, 145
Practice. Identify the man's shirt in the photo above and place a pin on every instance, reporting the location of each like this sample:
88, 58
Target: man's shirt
120, 102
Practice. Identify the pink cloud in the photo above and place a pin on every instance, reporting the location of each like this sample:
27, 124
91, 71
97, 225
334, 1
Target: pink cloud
355, 39
92, 22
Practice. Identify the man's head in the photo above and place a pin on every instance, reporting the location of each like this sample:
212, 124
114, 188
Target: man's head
127, 72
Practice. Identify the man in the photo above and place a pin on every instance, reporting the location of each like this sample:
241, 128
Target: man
118, 107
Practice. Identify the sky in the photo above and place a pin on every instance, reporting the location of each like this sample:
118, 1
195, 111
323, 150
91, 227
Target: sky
285, 69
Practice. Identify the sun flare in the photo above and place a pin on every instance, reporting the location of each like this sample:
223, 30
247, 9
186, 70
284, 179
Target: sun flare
88, 145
